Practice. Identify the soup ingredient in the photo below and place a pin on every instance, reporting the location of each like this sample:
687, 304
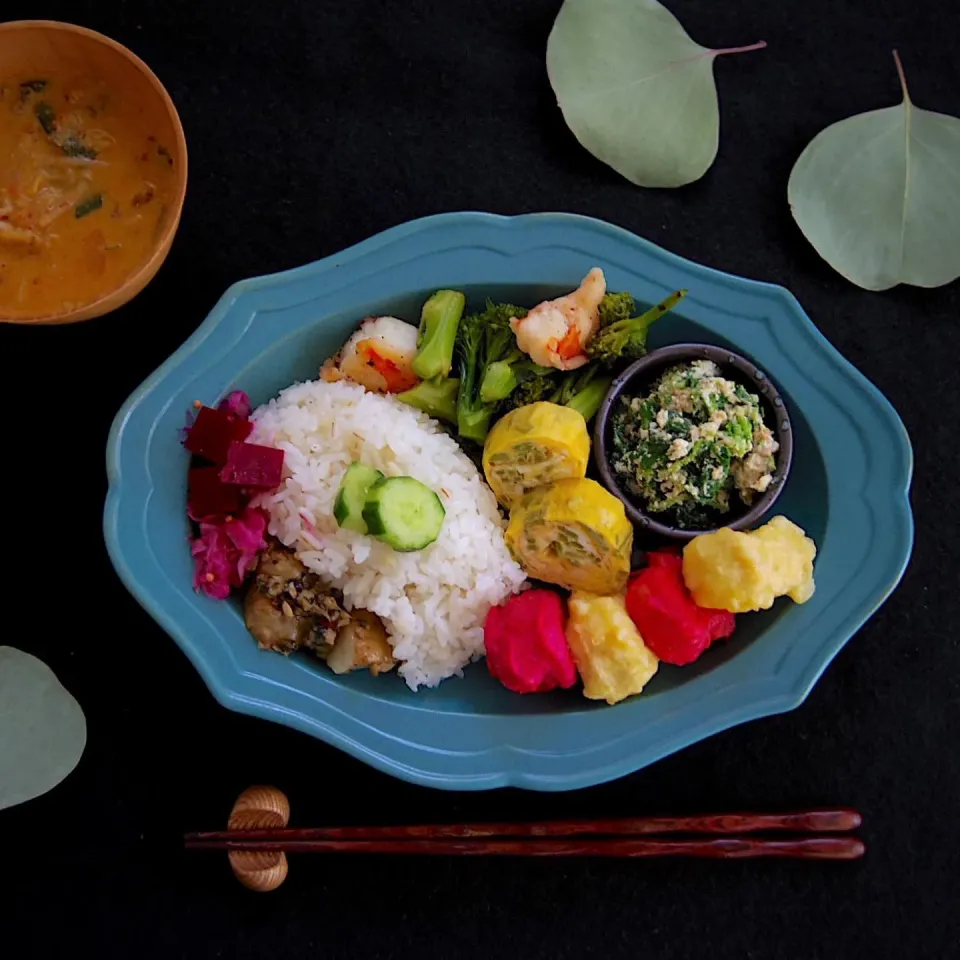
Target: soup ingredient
352, 496
287, 607
42, 729
212, 433
379, 356
208, 496
526, 643
362, 645
533, 446
635, 90
695, 440
572, 533
613, 660
436, 398
253, 465
673, 626
439, 320
87, 206
878, 195
555, 333
226, 551
403, 513
70, 142
84, 193
626, 340
738, 571
433, 602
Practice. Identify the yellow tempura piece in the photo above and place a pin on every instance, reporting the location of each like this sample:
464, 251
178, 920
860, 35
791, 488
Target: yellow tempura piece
730, 570
610, 654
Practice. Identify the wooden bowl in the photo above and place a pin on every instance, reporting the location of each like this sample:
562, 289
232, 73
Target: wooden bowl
39, 47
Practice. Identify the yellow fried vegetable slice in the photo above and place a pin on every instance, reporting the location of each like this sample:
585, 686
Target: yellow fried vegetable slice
610, 654
572, 533
532, 446
729, 570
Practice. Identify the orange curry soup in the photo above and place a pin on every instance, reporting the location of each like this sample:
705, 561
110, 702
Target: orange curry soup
84, 192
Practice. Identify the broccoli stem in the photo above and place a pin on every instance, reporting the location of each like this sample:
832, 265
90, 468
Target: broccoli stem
437, 398
439, 320
626, 340
474, 424
658, 310
587, 401
499, 381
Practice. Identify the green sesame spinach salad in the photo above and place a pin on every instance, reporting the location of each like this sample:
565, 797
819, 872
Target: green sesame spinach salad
692, 444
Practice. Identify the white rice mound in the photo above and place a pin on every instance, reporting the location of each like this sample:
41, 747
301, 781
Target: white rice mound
433, 601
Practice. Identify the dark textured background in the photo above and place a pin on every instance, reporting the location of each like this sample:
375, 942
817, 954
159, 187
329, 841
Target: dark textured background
311, 125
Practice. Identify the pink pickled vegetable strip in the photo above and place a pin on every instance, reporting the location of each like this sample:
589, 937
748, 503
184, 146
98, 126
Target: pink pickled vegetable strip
237, 402
226, 551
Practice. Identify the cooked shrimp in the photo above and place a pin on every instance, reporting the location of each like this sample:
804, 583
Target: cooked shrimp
378, 356
555, 333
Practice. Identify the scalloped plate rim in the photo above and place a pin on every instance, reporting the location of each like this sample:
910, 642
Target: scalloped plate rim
505, 767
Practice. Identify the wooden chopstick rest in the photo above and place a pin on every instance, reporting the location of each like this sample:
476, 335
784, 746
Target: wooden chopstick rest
259, 808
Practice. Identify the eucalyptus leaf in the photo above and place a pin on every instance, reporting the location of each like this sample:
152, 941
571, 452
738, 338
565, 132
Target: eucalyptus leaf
42, 728
635, 90
878, 195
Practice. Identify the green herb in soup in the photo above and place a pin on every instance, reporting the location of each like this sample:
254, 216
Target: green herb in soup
694, 442
87, 206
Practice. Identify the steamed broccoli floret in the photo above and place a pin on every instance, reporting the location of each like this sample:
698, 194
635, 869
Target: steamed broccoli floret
500, 342
436, 397
486, 340
439, 320
626, 340
499, 381
473, 416
582, 390
614, 307
530, 391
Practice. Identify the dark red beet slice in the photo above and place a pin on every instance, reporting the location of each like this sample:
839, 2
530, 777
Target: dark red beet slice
212, 433
208, 496
251, 465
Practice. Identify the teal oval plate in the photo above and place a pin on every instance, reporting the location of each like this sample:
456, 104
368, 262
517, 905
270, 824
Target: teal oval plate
848, 489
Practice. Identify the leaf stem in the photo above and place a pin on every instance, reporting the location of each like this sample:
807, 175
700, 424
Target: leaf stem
759, 45
902, 76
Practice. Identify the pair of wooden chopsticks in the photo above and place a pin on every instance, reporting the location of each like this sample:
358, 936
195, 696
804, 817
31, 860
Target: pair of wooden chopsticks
726, 836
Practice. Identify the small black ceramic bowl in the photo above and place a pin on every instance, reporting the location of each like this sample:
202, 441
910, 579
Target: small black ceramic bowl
639, 377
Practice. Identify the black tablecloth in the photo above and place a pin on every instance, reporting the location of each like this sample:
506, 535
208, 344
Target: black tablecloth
315, 124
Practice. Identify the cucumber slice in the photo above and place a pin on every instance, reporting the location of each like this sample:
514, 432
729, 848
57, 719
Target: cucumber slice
352, 495
403, 513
